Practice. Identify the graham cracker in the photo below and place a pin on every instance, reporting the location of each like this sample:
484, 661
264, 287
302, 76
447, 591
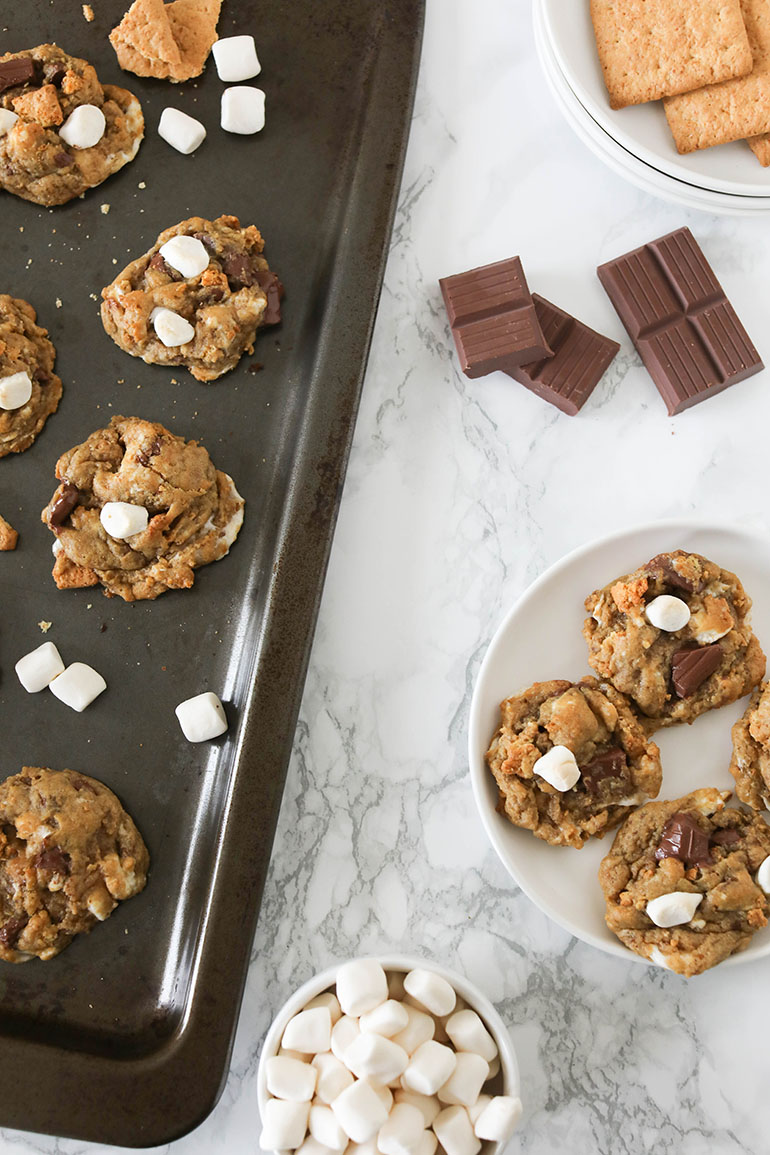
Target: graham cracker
654, 48
144, 35
734, 109
194, 26
760, 146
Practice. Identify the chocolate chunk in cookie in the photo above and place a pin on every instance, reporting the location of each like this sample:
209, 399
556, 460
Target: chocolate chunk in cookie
32, 390
199, 304
68, 854
674, 636
679, 881
750, 764
189, 513
570, 759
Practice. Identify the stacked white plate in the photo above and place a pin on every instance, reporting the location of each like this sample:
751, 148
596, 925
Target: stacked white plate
636, 142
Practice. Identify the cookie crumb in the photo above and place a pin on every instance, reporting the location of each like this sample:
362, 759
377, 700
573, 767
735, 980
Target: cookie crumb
141, 184
8, 536
58, 302
88, 12
44, 627
105, 208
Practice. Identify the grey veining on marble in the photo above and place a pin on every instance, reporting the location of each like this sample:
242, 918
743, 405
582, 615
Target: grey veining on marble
458, 494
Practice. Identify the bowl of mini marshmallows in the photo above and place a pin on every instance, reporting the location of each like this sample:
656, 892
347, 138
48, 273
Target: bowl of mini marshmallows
388, 1056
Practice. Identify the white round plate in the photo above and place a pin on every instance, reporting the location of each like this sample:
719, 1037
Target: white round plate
541, 638
642, 129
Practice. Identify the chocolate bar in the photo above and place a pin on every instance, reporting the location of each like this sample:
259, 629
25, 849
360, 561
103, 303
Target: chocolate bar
493, 319
581, 357
678, 316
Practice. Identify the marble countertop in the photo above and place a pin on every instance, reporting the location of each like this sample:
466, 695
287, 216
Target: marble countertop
458, 494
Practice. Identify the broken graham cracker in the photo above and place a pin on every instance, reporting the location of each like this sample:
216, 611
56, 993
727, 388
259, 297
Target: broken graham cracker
8, 535
166, 41
734, 109
654, 48
760, 146
194, 25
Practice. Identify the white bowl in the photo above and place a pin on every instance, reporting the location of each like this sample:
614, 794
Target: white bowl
325, 980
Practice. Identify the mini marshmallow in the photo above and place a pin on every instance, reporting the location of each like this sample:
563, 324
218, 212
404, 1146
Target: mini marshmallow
333, 1077
428, 1144
203, 718
309, 1031
429, 1068
431, 991
243, 110
84, 127
367, 1148
419, 1029
464, 1084
311, 1146
387, 1019
123, 519
345, 1032
494, 1067
559, 768
476, 1108
667, 613
290, 1079
325, 1128
454, 1132
284, 1053
763, 875
187, 255
236, 58
402, 1131
498, 1120
7, 120
170, 328
374, 1057
39, 667
427, 1104
182, 132
77, 686
15, 390
384, 1094
359, 1111
284, 1124
327, 999
673, 909
468, 1033
361, 986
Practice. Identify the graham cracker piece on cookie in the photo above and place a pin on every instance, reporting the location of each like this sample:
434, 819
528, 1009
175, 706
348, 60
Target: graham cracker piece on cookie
144, 41
194, 25
654, 48
734, 109
8, 535
760, 146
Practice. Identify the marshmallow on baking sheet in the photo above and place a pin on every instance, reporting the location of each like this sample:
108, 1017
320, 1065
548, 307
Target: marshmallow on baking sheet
333, 1077
361, 986
674, 909
243, 110
464, 1084
7, 120
39, 667
325, 1128
284, 1124
431, 991
429, 1068
376, 1058
236, 58
123, 519
309, 1031
498, 1119
418, 1030
77, 686
402, 1131
84, 127
455, 1133
290, 1079
359, 1111
468, 1033
559, 768
15, 390
327, 999
344, 1032
667, 613
187, 255
170, 328
427, 1104
387, 1019
763, 875
203, 718
182, 132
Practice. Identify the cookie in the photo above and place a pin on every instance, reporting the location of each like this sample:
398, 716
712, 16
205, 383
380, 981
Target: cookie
8, 536
733, 109
706, 856
69, 854
235, 294
760, 146
750, 763
674, 668
43, 87
654, 48
192, 512
618, 766
167, 41
25, 348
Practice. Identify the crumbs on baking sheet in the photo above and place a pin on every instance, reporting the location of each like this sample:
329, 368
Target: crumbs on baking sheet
88, 12
44, 626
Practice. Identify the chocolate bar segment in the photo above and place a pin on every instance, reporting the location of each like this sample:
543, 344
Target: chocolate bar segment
676, 313
17, 71
580, 359
493, 318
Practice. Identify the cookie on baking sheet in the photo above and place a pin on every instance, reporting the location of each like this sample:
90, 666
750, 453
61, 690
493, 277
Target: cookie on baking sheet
654, 48
181, 512
674, 636
733, 109
202, 315
679, 881
167, 41
25, 350
750, 764
586, 728
68, 854
44, 87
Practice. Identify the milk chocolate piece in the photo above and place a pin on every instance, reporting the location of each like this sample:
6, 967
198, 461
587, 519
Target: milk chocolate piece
683, 838
64, 504
581, 358
613, 763
691, 665
676, 313
493, 318
671, 575
14, 72
726, 837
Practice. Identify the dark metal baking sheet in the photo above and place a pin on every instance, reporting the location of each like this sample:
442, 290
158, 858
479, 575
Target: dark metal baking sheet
126, 1036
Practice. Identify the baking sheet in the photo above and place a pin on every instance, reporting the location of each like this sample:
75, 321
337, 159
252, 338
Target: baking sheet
140, 1014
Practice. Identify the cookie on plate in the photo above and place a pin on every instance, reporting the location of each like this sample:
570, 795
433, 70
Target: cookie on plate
674, 636
26, 356
750, 764
680, 884
196, 298
138, 510
570, 759
70, 132
69, 854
